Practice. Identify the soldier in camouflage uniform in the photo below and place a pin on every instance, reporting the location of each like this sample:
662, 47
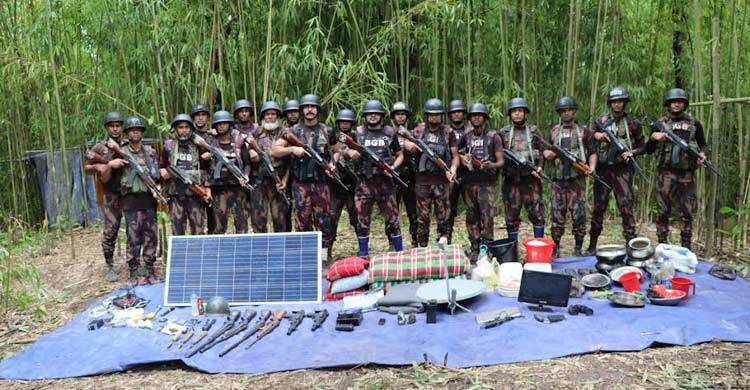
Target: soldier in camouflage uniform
484, 146
291, 112
139, 206
615, 169
268, 194
243, 116
310, 187
201, 117
432, 183
522, 188
569, 195
101, 160
374, 184
181, 153
228, 193
676, 180
340, 198
399, 117
457, 117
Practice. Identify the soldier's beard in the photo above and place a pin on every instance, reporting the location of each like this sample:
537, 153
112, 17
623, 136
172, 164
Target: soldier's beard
270, 126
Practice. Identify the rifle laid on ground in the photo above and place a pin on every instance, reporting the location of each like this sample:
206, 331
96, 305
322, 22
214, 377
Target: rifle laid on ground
319, 161
142, 174
513, 157
227, 325
266, 160
204, 331
692, 152
222, 159
620, 147
246, 317
259, 323
422, 146
576, 162
269, 327
367, 153
183, 177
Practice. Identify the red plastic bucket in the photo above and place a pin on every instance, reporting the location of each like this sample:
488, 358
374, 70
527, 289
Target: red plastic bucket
630, 282
683, 284
539, 253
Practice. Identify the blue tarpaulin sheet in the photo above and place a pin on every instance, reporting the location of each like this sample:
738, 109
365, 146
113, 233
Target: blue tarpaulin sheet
719, 311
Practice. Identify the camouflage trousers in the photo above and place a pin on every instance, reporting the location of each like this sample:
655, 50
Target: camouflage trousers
141, 238
620, 178
571, 197
112, 213
378, 189
407, 197
265, 198
456, 192
187, 208
339, 201
229, 200
311, 208
480, 212
524, 193
429, 196
676, 187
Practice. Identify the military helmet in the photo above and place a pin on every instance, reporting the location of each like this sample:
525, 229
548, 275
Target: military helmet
434, 106
242, 103
112, 116
345, 114
309, 100
676, 94
565, 102
400, 107
290, 105
182, 118
518, 102
270, 105
618, 93
479, 108
199, 107
456, 105
217, 305
373, 107
221, 117
133, 122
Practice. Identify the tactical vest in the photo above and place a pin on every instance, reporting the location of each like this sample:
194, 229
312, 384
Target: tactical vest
265, 142
130, 183
379, 143
479, 147
670, 156
189, 162
522, 144
305, 169
605, 153
437, 141
564, 169
113, 185
219, 174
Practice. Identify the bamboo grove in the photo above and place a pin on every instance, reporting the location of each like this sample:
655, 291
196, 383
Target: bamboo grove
63, 63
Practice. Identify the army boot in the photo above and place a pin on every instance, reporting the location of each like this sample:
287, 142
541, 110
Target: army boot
556, 251
591, 250
577, 249
111, 274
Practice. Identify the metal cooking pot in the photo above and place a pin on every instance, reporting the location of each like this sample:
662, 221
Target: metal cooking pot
611, 254
640, 248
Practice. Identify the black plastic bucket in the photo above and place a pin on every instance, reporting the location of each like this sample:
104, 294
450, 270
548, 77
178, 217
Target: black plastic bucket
504, 250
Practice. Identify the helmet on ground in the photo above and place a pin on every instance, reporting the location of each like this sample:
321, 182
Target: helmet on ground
217, 305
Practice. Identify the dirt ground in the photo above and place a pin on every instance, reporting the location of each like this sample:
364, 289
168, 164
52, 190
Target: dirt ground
72, 273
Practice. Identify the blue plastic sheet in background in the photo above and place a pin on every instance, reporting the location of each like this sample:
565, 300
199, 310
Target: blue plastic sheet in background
719, 311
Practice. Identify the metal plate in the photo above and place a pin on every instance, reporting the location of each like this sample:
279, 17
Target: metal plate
436, 290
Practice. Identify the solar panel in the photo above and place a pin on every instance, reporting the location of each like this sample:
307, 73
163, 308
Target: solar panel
245, 269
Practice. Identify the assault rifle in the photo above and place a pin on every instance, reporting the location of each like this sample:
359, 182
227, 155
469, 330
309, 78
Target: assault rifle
142, 174
183, 177
259, 323
227, 325
367, 153
246, 317
620, 147
513, 157
269, 327
319, 161
575, 161
222, 159
427, 151
680, 143
266, 160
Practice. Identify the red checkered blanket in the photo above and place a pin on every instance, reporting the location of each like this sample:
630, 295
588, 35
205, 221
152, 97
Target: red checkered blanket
418, 263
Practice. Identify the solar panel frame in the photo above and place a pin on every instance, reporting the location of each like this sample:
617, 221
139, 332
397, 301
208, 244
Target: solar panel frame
216, 250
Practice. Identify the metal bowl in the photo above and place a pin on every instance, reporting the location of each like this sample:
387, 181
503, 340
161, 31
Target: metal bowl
611, 253
640, 248
595, 281
626, 299
673, 301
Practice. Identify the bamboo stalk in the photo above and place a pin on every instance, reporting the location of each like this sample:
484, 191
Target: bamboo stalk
715, 123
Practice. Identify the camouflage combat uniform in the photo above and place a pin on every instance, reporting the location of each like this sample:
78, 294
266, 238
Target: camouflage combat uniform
112, 207
406, 195
184, 205
457, 190
340, 198
266, 197
209, 216
228, 195
676, 179
521, 189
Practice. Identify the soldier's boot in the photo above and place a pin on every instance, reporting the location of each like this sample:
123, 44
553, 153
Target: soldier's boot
538, 232
151, 276
662, 239
133, 278
390, 244
111, 274
397, 243
556, 251
591, 250
329, 254
414, 241
577, 250
364, 247
686, 241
